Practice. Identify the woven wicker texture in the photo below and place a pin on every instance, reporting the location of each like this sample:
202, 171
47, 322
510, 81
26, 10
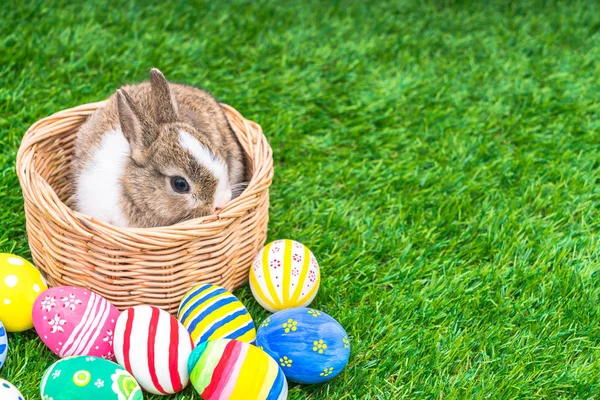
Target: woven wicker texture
129, 267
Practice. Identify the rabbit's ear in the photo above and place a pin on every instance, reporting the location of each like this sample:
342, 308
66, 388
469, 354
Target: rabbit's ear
165, 106
132, 128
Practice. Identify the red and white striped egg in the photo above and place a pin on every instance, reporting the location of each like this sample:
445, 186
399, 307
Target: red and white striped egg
154, 347
74, 321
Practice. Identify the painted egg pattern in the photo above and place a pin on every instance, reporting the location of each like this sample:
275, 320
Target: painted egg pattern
154, 347
75, 321
310, 346
8, 391
285, 274
3, 344
229, 369
86, 378
20, 284
210, 312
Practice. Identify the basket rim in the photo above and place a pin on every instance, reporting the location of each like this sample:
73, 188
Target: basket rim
262, 173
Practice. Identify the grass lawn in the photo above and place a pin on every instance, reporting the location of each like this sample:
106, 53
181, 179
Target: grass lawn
440, 160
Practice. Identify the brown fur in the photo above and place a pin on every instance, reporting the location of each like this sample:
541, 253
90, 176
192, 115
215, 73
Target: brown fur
150, 115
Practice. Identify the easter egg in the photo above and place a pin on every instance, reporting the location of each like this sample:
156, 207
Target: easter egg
152, 345
310, 346
210, 312
8, 391
229, 369
75, 322
3, 344
20, 284
285, 274
88, 378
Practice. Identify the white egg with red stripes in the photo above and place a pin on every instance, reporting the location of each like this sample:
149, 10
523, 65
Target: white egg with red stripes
210, 312
74, 321
154, 347
285, 274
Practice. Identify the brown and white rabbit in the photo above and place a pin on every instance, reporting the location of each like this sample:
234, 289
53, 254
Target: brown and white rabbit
156, 154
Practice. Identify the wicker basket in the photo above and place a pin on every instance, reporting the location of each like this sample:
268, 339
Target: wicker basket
137, 266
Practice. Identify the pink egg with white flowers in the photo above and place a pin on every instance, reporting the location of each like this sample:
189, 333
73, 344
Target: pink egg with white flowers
74, 321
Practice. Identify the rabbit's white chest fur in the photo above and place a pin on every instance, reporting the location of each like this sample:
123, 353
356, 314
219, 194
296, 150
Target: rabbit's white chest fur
99, 186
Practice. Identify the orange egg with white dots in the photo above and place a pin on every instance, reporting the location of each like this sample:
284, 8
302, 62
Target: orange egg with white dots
20, 285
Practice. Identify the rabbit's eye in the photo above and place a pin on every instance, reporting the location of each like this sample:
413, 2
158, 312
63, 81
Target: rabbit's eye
180, 185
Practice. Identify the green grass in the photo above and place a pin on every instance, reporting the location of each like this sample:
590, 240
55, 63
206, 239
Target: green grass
440, 160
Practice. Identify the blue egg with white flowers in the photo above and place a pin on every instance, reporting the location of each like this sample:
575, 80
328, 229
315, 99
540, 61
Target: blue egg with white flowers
309, 345
3, 344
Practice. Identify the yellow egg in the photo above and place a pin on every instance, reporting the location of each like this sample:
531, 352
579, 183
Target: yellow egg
285, 274
20, 284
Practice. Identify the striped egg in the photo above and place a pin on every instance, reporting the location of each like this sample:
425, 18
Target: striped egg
154, 347
285, 274
3, 344
74, 321
229, 369
210, 312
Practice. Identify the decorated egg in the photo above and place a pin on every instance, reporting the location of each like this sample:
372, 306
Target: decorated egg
75, 322
20, 284
88, 378
285, 274
8, 391
3, 344
152, 345
210, 312
229, 369
310, 346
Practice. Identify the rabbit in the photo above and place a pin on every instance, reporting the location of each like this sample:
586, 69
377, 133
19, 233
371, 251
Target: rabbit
157, 153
